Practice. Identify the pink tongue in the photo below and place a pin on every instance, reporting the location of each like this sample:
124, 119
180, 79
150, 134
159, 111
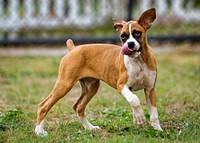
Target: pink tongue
126, 50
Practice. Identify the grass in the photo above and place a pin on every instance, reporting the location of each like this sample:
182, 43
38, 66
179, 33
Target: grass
106, 29
26, 81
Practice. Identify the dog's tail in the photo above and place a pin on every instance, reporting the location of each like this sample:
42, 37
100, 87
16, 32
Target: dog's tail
70, 44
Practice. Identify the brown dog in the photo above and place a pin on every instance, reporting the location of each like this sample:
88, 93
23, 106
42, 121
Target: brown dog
130, 67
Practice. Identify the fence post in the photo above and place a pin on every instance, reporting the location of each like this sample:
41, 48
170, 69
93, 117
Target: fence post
73, 10
129, 7
59, 8
1, 15
14, 18
44, 8
88, 12
1, 8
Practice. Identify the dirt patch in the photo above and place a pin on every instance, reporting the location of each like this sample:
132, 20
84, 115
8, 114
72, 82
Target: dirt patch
105, 135
171, 125
175, 109
3, 106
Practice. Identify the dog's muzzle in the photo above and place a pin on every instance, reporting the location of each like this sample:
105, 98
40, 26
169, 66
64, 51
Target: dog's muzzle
130, 49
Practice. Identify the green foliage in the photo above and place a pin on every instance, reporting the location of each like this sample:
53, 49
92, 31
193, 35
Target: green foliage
11, 119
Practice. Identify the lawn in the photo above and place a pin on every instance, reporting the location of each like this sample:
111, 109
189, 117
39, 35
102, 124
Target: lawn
26, 81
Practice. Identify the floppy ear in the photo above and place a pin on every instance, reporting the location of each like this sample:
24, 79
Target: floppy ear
118, 24
147, 17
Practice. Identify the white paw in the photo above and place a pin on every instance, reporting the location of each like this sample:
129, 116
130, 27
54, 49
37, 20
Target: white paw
93, 128
40, 131
87, 125
139, 121
156, 124
139, 118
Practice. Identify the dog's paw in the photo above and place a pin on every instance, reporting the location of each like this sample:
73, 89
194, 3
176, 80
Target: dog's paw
139, 121
40, 131
94, 128
139, 118
156, 124
87, 125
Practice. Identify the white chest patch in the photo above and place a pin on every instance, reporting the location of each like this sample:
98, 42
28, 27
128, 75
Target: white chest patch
139, 76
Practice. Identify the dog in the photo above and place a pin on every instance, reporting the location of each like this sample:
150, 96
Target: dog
128, 68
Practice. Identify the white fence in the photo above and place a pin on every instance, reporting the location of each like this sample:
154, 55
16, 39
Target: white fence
18, 14
176, 9
48, 13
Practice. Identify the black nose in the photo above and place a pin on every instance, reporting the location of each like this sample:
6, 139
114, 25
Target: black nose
131, 45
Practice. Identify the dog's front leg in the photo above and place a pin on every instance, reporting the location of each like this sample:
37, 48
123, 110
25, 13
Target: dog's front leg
151, 105
138, 114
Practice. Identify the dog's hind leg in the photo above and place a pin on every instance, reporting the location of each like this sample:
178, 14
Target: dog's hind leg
61, 88
89, 88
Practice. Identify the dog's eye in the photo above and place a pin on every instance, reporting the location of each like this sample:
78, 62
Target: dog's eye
137, 34
123, 37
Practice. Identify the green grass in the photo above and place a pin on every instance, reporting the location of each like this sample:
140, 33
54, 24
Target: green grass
106, 29
26, 81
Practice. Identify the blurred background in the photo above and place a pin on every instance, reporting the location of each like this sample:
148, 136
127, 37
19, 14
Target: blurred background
32, 41
28, 22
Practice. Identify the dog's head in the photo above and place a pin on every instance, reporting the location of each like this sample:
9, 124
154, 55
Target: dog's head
133, 33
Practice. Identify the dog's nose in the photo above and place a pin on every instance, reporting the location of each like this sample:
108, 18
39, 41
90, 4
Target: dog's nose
131, 45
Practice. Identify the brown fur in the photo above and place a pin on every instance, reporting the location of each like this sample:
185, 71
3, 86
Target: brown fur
81, 65
91, 63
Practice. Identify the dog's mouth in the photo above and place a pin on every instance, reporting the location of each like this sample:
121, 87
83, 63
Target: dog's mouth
127, 51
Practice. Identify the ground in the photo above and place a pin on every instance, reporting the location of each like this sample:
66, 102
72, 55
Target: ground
25, 80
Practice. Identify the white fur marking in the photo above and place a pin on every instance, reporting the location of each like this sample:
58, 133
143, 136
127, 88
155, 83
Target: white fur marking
131, 38
129, 28
130, 97
133, 100
139, 76
39, 129
86, 124
154, 113
154, 119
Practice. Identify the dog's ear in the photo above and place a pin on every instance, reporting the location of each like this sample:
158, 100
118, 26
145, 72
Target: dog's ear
118, 24
147, 17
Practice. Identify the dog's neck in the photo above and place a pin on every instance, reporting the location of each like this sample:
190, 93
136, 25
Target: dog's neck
148, 57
